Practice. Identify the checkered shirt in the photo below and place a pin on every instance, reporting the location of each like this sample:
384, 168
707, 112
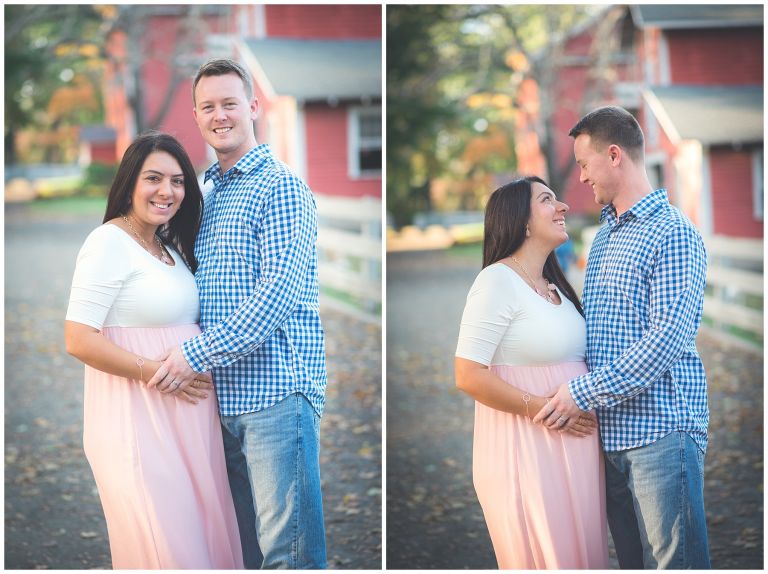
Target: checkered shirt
257, 278
643, 296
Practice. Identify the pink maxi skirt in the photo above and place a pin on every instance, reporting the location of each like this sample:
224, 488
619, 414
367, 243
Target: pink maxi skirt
542, 492
159, 466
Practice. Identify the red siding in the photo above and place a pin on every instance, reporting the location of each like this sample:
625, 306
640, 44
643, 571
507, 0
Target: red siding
103, 152
160, 38
327, 163
732, 202
724, 57
322, 21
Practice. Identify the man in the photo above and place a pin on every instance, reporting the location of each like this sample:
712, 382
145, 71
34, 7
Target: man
643, 297
262, 336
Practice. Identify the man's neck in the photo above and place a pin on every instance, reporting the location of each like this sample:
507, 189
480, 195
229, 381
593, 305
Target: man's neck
227, 160
632, 193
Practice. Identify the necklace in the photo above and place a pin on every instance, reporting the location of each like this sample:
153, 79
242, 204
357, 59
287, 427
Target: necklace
162, 257
549, 294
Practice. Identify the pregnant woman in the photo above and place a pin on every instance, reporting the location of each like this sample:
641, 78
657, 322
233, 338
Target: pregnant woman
523, 335
157, 457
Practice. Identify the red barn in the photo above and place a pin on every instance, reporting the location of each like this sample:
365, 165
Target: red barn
316, 70
693, 76
705, 97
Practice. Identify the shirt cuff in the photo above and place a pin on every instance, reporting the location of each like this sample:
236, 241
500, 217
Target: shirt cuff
194, 352
580, 392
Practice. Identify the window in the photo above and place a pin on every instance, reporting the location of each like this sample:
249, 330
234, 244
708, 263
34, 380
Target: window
364, 142
757, 182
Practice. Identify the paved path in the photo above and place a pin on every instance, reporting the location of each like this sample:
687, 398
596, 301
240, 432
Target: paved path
53, 518
433, 517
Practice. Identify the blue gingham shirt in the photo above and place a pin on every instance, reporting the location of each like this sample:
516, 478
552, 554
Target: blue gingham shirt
643, 297
257, 278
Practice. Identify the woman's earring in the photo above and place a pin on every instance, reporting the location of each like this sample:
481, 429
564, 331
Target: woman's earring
527, 231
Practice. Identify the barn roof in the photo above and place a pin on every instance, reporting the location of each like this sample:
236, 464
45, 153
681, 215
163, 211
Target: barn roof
317, 69
711, 114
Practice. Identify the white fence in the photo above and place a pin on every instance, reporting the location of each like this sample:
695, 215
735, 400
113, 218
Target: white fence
735, 288
349, 251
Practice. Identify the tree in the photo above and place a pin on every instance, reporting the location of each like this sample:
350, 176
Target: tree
56, 54
46, 48
456, 81
545, 52
184, 59
415, 112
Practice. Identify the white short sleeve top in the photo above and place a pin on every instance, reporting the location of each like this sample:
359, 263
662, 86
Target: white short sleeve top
505, 322
117, 283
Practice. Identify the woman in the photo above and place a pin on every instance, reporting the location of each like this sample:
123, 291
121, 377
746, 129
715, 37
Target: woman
522, 335
157, 457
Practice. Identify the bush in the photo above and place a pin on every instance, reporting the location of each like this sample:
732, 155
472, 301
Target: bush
98, 179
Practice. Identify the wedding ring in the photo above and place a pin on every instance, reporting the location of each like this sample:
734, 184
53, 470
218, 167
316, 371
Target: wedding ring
561, 421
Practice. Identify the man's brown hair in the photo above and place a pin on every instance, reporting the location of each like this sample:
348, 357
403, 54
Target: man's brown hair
221, 67
613, 125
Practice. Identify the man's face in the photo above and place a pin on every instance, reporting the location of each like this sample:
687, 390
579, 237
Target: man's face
225, 115
595, 168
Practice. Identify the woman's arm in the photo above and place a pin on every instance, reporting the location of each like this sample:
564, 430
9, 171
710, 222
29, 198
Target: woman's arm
89, 346
481, 384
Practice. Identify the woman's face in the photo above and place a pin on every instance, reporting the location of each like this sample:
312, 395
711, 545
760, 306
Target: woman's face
547, 220
159, 190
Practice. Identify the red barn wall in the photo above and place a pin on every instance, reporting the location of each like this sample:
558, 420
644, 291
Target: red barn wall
322, 21
103, 152
160, 39
732, 202
327, 163
717, 57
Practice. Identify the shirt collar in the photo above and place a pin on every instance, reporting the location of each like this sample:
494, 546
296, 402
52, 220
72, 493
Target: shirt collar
642, 209
250, 161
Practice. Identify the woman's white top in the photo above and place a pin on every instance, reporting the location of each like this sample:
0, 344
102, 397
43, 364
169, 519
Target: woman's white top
118, 283
505, 322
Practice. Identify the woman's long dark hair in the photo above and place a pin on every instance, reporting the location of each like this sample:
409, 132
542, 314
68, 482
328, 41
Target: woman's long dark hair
181, 230
506, 217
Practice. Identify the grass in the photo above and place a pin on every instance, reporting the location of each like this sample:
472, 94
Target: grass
70, 205
467, 251
738, 332
349, 300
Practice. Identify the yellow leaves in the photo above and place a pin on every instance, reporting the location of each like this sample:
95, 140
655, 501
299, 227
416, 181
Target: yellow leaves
71, 49
89, 51
489, 99
107, 11
64, 50
516, 61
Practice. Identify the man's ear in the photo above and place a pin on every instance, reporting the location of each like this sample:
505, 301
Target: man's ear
254, 108
615, 154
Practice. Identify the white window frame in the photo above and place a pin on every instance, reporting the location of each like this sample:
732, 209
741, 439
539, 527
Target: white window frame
354, 144
758, 167
652, 160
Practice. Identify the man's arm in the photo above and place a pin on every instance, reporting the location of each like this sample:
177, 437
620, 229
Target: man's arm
676, 293
289, 230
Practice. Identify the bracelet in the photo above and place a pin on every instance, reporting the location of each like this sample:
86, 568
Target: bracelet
526, 400
140, 363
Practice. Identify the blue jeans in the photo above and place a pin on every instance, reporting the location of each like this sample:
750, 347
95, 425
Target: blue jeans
273, 465
655, 501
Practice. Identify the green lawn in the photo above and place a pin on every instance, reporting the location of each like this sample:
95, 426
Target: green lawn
70, 205
467, 251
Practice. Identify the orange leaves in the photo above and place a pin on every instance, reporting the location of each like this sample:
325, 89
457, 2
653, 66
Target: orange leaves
77, 95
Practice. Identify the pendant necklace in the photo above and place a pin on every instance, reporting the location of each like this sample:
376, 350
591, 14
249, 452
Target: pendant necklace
549, 294
162, 257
